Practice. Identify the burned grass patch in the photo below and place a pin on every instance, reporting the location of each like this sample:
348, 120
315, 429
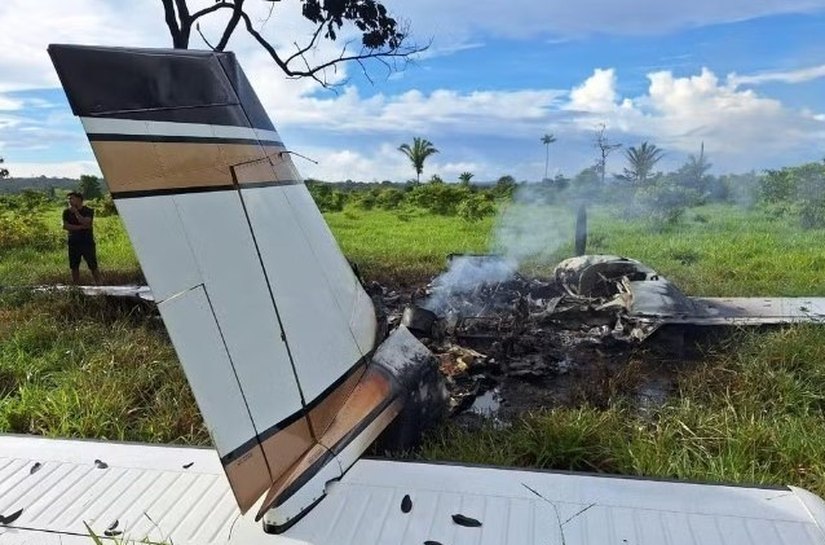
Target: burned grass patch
509, 344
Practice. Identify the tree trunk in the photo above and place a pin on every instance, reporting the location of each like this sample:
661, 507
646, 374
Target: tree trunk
581, 230
547, 161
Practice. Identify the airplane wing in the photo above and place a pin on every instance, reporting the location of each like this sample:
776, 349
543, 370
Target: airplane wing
180, 495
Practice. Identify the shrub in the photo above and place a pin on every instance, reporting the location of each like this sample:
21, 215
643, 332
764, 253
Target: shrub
27, 201
326, 198
663, 202
366, 200
390, 199
475, 207
442, 199
796, 190
27, 231
505, 187
104, 206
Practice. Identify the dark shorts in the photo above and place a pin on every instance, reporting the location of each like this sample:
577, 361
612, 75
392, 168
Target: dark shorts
85, 251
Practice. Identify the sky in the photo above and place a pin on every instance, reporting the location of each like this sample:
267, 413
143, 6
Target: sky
744, 77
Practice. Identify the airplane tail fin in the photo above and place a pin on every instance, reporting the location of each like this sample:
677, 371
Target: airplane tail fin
272, 327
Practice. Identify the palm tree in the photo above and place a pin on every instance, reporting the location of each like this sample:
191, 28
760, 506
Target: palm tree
3, 172
641, 161
696, 170
418, 153
465, 178
547, 139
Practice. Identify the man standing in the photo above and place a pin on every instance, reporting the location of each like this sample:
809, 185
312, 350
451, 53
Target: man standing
77, 220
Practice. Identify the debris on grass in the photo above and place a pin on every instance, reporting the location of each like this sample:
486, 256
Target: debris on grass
508, 343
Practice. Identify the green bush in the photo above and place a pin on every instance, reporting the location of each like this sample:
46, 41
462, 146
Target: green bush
505, 187
366, 200
796, 190
390, 199
663, 202
327, 198
104, 206
27, 231
778, 186
476, 207
28, 201
439, 198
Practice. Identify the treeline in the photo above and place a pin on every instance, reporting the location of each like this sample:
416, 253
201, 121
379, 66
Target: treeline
792, 192
470, 202
45, 185
661, 197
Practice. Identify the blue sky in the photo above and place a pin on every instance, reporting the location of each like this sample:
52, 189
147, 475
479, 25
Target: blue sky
746, 78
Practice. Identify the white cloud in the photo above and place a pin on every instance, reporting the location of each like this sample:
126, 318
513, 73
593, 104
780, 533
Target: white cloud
383, 163
28, 28
64, 169
788, 76
489, 132
741, 128
597, 94
744, 129
8, 103
296, 103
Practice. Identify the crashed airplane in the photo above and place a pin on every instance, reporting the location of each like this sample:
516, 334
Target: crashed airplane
294, 374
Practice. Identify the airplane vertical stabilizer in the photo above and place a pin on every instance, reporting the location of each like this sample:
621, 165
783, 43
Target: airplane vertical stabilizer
271, 325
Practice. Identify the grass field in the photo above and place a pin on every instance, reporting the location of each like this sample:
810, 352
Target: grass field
753, 412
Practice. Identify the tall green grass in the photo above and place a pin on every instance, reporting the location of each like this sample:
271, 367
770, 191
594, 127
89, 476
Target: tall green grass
716, 250
753, 413
71, 366
27, 266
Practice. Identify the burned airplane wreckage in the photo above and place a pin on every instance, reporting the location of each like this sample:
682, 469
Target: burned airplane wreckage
508, 343
536, 342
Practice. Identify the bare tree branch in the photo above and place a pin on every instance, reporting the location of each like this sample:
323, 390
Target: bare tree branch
214, 7
185, 20
303, 50
268, 15
364, 71
180, 26
394, 53
172, 23
198, 28
230, 26
183, 9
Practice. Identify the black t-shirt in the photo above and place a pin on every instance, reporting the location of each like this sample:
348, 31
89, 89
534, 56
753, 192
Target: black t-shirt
86, 236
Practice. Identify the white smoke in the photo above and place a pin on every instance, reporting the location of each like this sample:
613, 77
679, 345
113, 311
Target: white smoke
530, 230
466, 274
526, 231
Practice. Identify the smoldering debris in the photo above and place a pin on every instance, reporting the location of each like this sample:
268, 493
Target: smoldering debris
507, 343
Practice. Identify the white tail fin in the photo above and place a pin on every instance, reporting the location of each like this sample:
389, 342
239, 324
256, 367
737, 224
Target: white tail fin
272, 326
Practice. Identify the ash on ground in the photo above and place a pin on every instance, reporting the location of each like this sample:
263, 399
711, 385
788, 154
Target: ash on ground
510, 344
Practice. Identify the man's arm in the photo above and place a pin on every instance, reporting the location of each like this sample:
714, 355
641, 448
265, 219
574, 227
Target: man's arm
85, 221
71, 227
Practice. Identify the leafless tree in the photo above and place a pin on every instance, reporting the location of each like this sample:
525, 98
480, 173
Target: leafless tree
605, 149
383, 38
